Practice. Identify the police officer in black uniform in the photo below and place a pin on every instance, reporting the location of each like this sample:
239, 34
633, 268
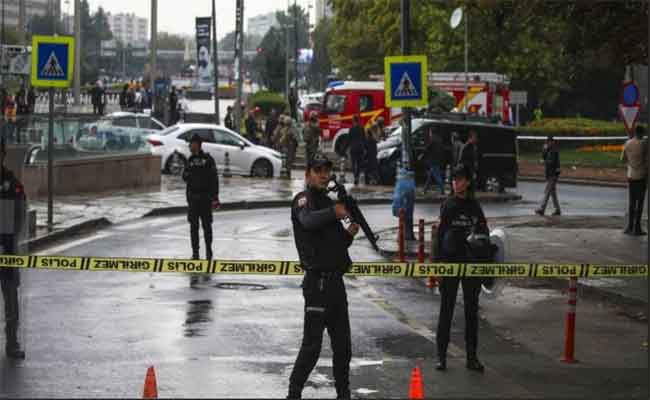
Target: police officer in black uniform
11, 195
461, 218
322, 242
202, 195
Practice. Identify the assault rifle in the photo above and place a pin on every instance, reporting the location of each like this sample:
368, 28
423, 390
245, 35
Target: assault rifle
356, 216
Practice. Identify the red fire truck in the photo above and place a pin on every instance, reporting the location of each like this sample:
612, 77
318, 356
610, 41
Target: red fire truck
345, 99
489, 92
489, 95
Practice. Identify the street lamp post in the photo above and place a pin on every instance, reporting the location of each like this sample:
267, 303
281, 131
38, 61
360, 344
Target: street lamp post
296, 50
215, 62
154, 51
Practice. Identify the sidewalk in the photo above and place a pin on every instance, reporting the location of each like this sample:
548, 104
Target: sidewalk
560, 240
169, 197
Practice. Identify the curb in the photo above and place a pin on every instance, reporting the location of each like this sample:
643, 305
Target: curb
255, 205
581, 182
43, 240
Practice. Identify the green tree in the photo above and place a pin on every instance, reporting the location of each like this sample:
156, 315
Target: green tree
269, 65
251, 42
321, 65
170, 41
44, 25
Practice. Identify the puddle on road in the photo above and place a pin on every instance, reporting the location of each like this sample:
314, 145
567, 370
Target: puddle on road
240, 286
198, 314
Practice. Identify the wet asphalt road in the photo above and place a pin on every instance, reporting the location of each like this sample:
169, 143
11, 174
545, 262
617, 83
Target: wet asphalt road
94, 334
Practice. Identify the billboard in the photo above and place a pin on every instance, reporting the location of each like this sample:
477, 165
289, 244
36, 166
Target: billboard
204, 59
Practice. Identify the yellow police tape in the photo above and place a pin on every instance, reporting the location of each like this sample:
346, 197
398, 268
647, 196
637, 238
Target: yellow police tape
260, 267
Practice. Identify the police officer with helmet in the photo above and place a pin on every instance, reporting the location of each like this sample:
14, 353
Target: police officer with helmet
322, 243
463, 236
202, 195
12, 201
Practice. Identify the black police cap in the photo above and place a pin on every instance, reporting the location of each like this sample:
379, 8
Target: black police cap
319, 160
460, 172
196, 138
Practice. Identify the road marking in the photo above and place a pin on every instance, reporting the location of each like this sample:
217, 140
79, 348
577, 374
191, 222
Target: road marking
63, 247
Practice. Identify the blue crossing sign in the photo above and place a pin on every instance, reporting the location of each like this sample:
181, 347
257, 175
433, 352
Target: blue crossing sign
405, 81
52, 61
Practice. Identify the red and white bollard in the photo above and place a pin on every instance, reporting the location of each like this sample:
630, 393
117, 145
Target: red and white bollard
570, 324
400, 236
421, 241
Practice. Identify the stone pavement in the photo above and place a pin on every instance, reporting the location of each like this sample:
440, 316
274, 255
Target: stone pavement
170, 195
565, 239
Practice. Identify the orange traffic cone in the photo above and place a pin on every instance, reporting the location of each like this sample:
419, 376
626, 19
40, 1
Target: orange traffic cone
416, 391
150, 386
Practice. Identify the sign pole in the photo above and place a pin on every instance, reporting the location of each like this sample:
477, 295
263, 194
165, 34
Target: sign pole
215, 63
406, 112
239, 61
50, 162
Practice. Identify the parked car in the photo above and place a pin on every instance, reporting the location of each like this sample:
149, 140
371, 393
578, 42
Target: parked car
120, 131
245, 157
497, 150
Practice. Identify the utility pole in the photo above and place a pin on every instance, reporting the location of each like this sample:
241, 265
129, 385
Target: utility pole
239, 61
406, 112
154, 50
50, 147
466, 60
77, 51
215, 62
21, 22
295, 54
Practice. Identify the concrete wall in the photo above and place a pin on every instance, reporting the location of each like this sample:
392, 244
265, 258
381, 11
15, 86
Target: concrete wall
93, 175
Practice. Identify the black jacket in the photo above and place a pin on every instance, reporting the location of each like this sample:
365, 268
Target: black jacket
321, 239
469, 157
458, 217
357, 139
551, 162
11, 189
201, 177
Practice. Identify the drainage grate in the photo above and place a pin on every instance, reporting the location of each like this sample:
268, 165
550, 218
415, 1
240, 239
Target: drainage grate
240, 286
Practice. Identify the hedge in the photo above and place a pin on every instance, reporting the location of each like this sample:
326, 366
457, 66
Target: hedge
573, 127
267, 101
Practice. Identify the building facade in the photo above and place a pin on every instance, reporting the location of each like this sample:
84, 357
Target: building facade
32, 8
261, 24
129, 29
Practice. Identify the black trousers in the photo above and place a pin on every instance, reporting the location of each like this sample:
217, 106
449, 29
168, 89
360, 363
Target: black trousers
326, 306
9, 281
636, 198
200, 210
448, 292
357, 160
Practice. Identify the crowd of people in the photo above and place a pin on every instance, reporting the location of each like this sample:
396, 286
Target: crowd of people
135, 96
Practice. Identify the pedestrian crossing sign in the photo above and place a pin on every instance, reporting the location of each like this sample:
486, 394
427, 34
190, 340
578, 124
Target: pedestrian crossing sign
405, 81
52, 61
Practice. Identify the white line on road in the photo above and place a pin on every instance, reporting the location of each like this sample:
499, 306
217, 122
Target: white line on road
63, 247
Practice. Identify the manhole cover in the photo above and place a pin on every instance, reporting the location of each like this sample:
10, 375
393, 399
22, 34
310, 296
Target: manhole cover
240, 286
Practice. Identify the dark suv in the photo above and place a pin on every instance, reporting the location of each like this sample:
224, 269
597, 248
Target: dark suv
497, 150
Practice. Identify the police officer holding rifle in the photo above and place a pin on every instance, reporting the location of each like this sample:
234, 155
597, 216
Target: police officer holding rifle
322, 242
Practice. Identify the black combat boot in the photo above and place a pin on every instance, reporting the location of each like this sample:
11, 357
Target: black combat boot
294, 393
473, 364
441, 364
12, 348
343, 393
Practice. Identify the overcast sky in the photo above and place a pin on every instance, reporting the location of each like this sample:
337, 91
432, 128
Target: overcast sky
178, 16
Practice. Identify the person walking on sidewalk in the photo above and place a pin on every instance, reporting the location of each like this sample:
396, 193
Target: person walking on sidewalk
11, 194
551, 158
434, 159
461, 222
322, 243
202, 195
269, 128
636, 157
357, 147
228, 120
